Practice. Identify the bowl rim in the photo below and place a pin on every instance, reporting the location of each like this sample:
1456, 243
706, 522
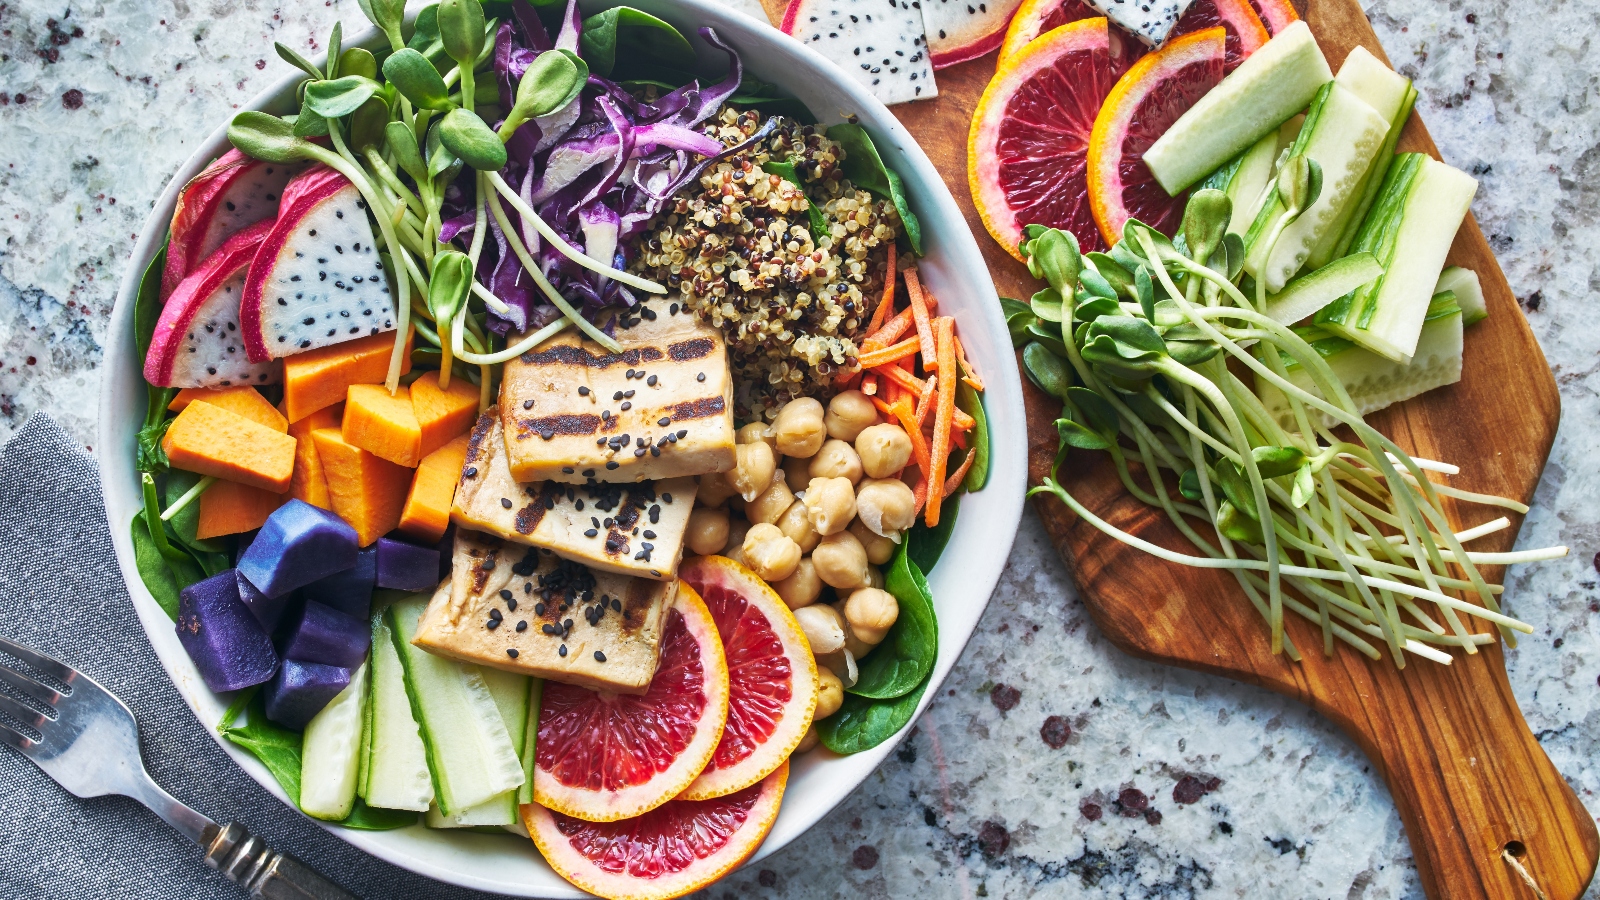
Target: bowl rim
985, 533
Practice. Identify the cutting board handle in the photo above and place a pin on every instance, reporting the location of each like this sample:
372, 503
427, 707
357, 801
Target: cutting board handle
1470, 780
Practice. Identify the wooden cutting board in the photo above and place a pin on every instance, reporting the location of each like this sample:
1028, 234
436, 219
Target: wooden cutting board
1467, 775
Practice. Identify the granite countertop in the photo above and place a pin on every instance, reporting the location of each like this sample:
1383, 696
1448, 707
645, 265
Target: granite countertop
1052, 764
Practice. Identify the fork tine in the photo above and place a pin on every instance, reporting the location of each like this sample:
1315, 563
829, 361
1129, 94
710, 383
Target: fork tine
34, 689
48, 665
29, 717
20, 741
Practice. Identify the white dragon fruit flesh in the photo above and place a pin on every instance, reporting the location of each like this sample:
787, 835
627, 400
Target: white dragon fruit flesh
879, 43
959, 30
317, 279
1147, 20
233, 193
197, 342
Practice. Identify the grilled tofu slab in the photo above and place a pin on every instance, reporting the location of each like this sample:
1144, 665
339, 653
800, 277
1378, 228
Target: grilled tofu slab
522, 609
662, 408
630, 529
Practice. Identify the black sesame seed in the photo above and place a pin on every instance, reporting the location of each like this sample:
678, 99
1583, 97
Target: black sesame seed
664, 421
563, 650
612, 464
588, 473
492, 624
470, 472
527, 404
640, 452
700, 377
599, 657
538, 609
683, 433
616, 604
511, 602
505, 595
666, 498
626, 405
617, 396
488, 565
583, 391
566, 470
628, 394
647, 533
505, 502
591, 533
655, 451
511, 652
651, 381
522, 626
547, 628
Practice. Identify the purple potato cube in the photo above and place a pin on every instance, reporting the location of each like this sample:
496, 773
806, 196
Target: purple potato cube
407, 567
242, 545
267, 610
301, 690
350, 591
298, 544
227, 644
325, 635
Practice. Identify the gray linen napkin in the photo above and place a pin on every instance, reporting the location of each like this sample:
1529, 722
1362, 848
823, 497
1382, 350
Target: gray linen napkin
60, 593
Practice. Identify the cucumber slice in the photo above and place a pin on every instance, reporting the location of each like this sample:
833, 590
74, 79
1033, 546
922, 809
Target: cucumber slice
470, 754
1410, 228
1244, 179
512, 696
1468, 290
1288, 131
1373, 381
530, 739
1274, 83
1307, 294
1343, 134
1392, 96
330, 753
499, 810
397, 762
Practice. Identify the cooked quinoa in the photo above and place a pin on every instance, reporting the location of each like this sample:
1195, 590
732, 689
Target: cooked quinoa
737, 249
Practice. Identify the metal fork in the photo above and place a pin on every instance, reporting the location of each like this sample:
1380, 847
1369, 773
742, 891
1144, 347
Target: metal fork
89, 743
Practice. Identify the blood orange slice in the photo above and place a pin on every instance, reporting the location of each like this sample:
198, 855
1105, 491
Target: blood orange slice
670, 851
1246, 34
1030, 135
1275, 14
1142, 106
1035, 17
772, 677
604, 756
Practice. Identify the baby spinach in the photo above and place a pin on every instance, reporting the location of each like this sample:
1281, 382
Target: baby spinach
211, 554
146, 313
185, 570
905, 657
625, 33
153, 569
925, 545
971, 403
787, 172
866, 170
862, 723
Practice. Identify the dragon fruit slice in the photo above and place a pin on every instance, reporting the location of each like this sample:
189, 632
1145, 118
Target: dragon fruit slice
959, 30
317, 279
197, 341
880, 43
233, 193
1147, 20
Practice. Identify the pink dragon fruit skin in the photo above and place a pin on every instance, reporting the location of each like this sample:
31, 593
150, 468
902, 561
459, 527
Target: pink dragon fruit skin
198, 342
317, 279
231, 194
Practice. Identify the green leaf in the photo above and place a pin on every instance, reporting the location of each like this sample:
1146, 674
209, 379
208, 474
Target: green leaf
549, 84
1145, 290
1304, 486
1074, 435
1056, 258
335, 47
1192, 353
1040, 333
153, 570
371, 818
389, 16
1189, 485
450, 284
185, 571
1205, 222
969, 402
906, 655
149, 456
1235, 486
1117, 281
147, 304
633, 38
416, 78
1100, 414
1275, 461
340, 97
289, 56
472, 140
440, 160
184, 524
902, 206
266, 137
1133, 333
356, 61
1019, 316
786, 170
1046, 370
861, 164
308, 123
462, 30
863, 723
926, 544
368, 124
402, 142
277, 747
1237, 526
425, 30
1096, 307
1046, 304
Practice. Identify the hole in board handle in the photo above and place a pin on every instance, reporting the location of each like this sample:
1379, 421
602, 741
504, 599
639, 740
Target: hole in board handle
1515, 848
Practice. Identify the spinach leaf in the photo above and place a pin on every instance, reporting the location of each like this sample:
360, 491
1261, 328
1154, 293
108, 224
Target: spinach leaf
866, 170
925, 545
862, 723
773, 105
211, 554
905, 657
149, 456
146, 313
147, 304
153, 569
634, 37
970, 403
786, 170
372, 818
180, 563
277, 747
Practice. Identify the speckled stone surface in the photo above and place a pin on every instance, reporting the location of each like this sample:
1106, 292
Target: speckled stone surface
1051, 765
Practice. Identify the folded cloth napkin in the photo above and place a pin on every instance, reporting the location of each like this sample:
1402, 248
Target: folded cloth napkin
60, 593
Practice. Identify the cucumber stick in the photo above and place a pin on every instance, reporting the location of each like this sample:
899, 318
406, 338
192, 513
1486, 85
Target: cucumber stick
1392, 96
1308, 294
1342, 134
470, 754
510, 693
1468, 290
1373, 381
330, 753
1272, 84
1410, 228
396, 769
530, 739
1244, 179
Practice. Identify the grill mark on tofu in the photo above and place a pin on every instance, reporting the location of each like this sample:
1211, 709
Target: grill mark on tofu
683, 351
636, 604
581, 424
697, 409
569, 355
616, 543
476, 451
480, 575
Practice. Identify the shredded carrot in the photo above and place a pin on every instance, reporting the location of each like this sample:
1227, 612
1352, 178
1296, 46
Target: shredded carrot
919, 493
919, 313
847, 380
968, 374
887, 303
958, 438
869, 384
883, 407
939, 455
901, 377
925, 400
919, 443
897, 326
899, 351
960, 475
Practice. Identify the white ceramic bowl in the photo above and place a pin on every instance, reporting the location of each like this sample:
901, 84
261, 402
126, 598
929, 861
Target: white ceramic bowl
961, 583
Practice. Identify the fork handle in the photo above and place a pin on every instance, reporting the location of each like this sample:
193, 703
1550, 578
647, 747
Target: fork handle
265, 872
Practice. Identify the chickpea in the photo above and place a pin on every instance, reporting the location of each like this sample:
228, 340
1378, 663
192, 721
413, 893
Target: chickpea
855, 646
848, 413
841, 561
714, 490
707, 531
753, 473
768, 553
798, 427
754, 433
797, 471
797, 526
822, 626
875, 577
884, 449
737, 528
773, 502
809, 741
886, 506
802, 588
840, 662
879, 548
870, 612
830, 694
830, 504
836, 459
